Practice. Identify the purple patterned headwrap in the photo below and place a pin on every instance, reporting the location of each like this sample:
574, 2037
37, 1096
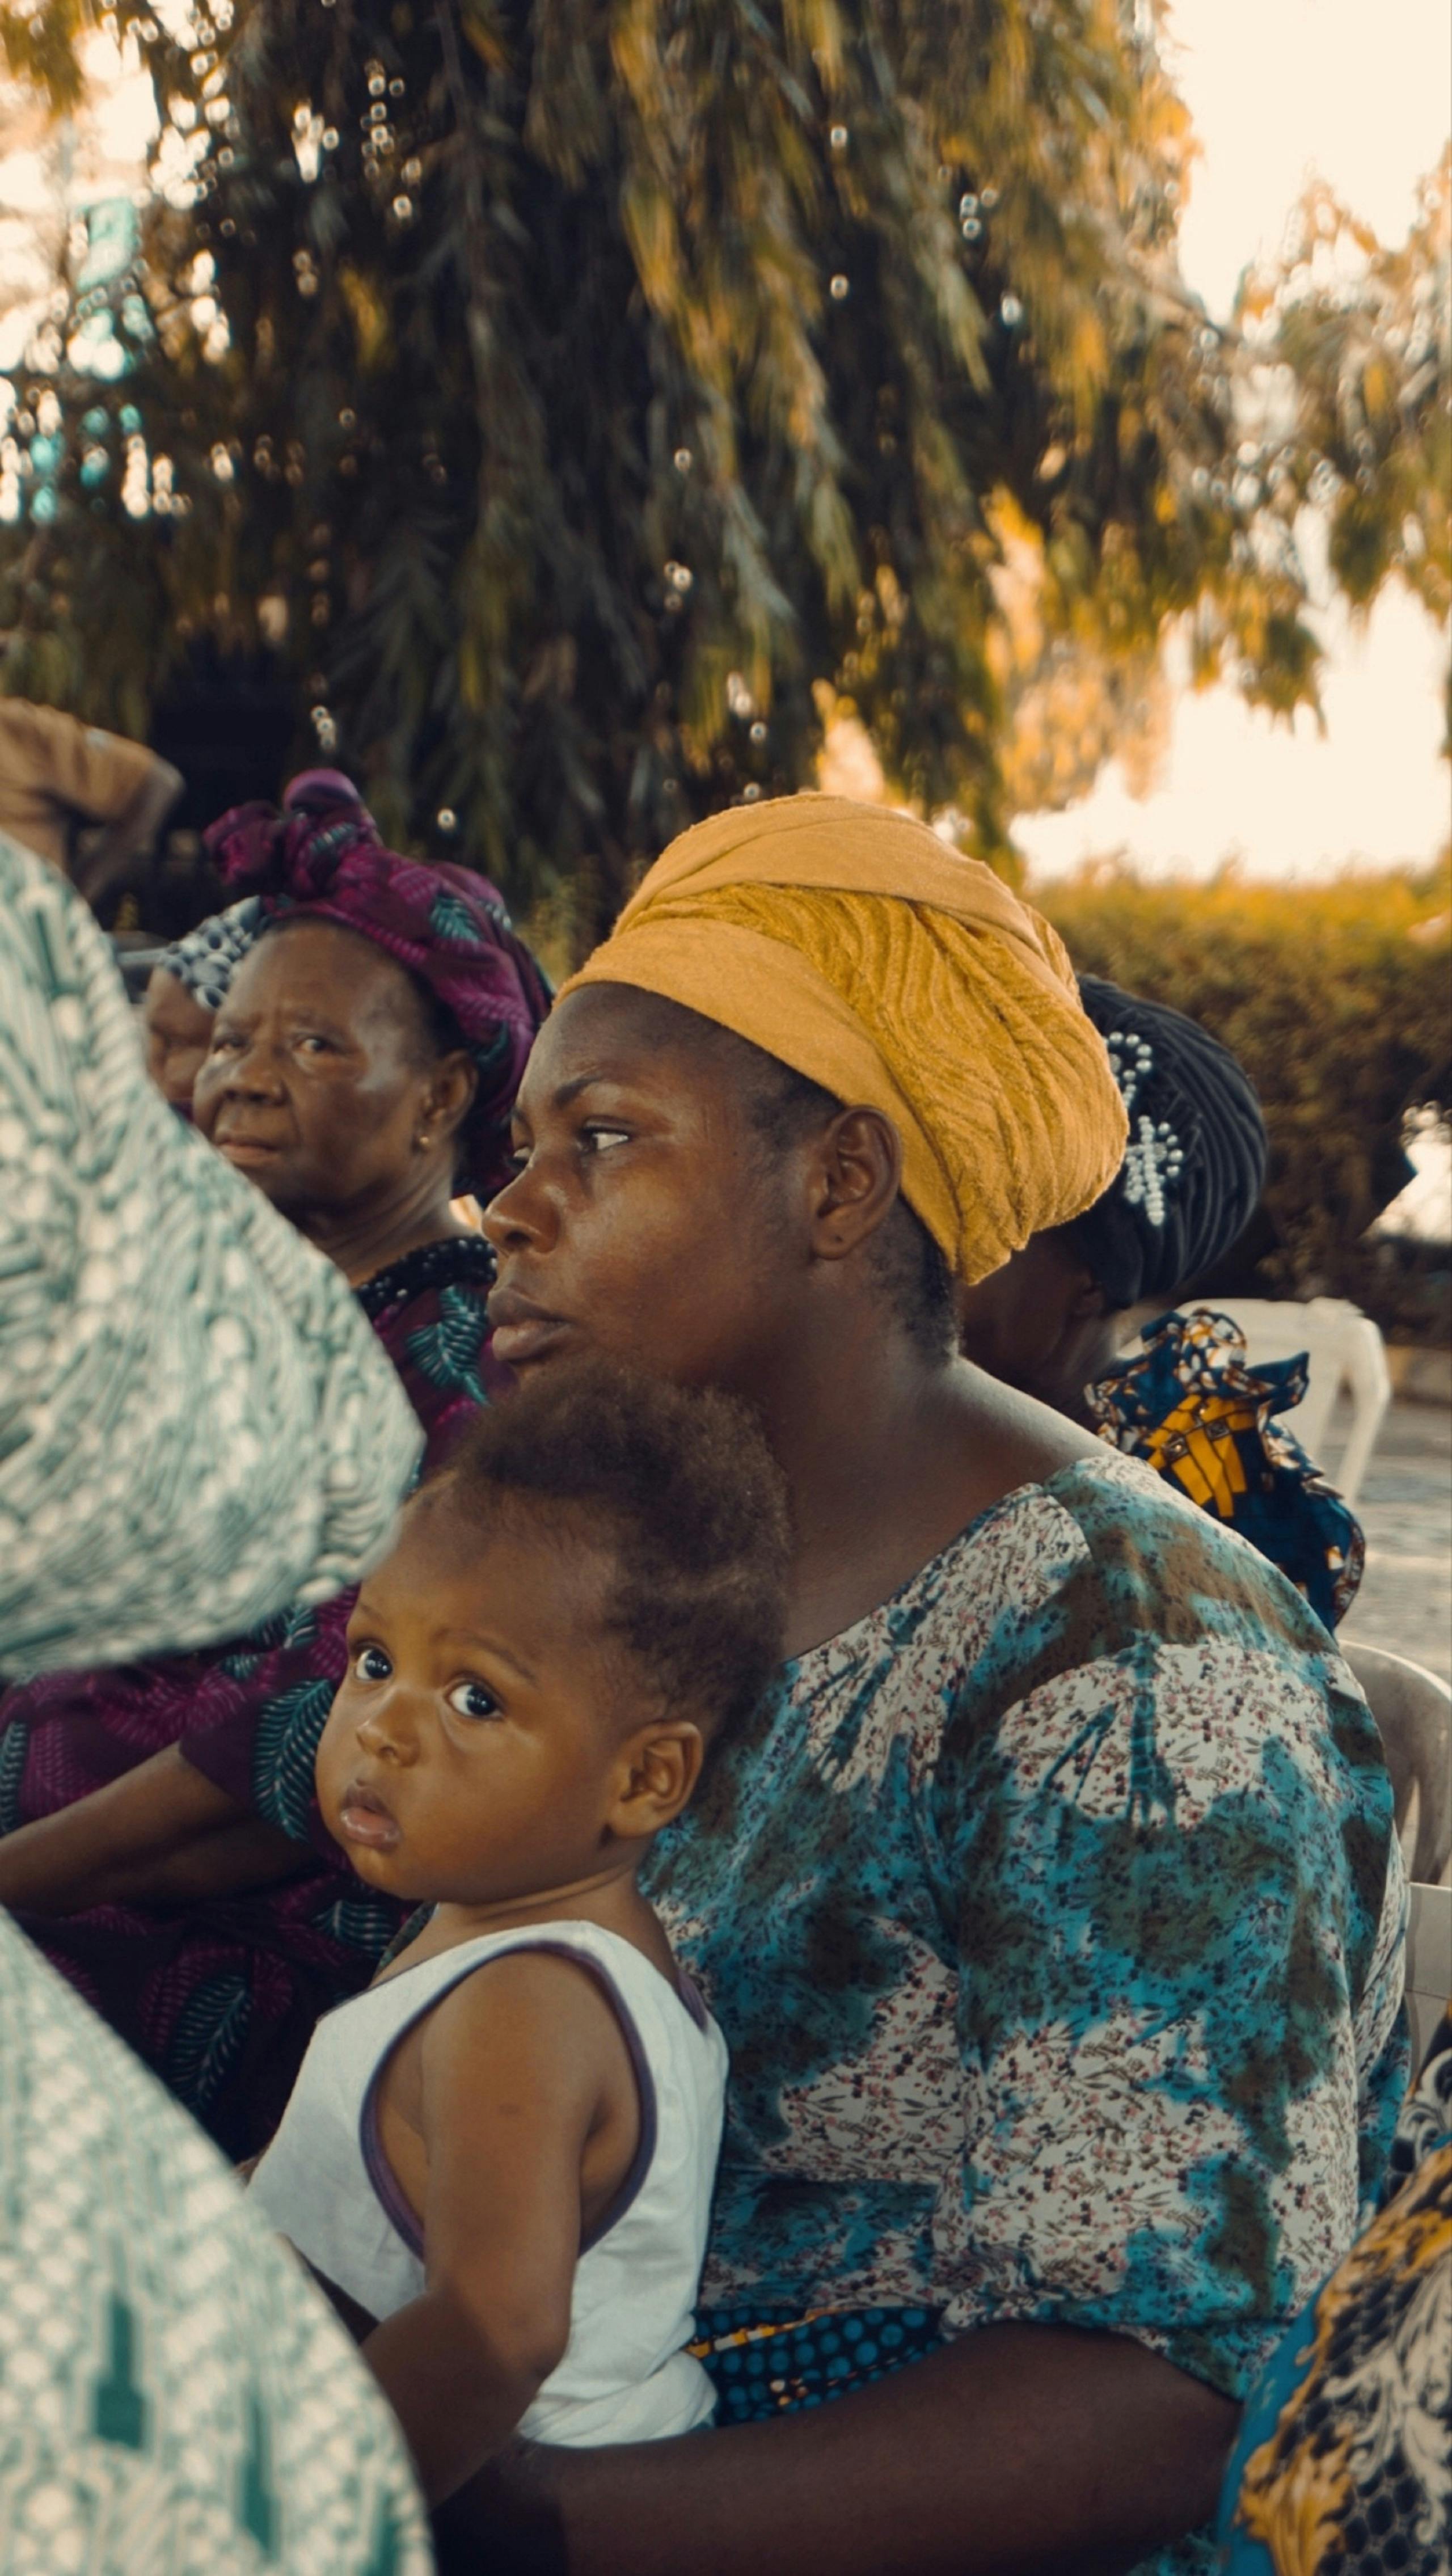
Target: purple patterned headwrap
322, 856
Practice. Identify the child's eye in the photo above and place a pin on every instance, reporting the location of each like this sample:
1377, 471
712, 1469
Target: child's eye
371, 1664
471, 1699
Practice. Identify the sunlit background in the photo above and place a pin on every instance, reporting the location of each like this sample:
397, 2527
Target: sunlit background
1281, 94
1279, 91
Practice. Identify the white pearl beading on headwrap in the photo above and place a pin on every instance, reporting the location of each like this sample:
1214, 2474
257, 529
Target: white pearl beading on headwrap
207, 958
1154, 1157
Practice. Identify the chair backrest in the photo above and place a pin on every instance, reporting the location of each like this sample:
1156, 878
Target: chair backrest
1413, 1713
1345, 1348
1429, 1963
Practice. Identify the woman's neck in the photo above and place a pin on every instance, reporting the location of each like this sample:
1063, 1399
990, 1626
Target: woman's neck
370, 1235
888, 1455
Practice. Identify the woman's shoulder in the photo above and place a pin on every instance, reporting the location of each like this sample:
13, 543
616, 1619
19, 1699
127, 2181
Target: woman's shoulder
1115, 1528
458, 1266
1159, 1562
1130, 1657
1109, 1527
431, 1312
1092, 1585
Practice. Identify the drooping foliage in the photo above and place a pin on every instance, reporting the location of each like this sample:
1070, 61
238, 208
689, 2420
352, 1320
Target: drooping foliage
1362, 339
579, 395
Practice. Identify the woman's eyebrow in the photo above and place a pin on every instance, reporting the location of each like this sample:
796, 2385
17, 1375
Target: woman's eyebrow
322, 1021
577, 1083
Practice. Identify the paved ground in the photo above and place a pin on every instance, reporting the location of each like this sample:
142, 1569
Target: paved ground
1405, 1507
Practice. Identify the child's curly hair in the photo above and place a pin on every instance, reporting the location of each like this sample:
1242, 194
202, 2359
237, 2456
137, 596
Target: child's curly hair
679, 1486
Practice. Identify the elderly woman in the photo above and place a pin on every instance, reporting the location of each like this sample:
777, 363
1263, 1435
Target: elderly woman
156, 1818
1052, 1907
1052, 1320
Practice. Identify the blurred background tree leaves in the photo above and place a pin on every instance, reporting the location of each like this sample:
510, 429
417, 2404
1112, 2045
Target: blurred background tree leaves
1359, 336
573, 400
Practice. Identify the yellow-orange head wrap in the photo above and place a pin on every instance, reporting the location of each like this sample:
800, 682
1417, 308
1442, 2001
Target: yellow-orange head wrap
854, 945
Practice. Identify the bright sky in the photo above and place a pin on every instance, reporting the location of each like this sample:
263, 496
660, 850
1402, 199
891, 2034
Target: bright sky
1280, 90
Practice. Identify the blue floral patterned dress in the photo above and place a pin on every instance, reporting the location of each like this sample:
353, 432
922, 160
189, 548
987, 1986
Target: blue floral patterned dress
1053, 1915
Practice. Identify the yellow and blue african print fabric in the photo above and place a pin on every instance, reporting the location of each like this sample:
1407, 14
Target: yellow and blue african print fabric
1344, 2464
1189, 1403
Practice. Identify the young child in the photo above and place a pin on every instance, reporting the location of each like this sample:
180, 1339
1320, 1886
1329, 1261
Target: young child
499, 2159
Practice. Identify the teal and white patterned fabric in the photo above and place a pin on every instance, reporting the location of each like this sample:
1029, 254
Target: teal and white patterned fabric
197, 1425
1053, 1914
175, 2397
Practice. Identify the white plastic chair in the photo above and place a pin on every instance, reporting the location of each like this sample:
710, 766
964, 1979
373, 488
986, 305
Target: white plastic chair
1345, 1349
1413, 1712
1429, 1963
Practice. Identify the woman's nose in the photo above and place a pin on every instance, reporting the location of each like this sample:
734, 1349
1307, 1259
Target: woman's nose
520, 1214
253, 1073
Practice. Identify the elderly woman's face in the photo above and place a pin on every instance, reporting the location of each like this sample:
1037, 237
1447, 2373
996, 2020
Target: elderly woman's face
178, 1034
640, 1222
314, 1085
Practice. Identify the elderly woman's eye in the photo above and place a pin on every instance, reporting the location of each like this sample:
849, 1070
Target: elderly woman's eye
601, 1139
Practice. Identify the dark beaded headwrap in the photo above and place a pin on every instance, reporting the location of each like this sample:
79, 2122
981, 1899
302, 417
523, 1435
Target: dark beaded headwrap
1196, 1157
322, 858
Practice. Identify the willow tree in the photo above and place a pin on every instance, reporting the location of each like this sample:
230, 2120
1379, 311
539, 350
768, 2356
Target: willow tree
1360, 337
583, 394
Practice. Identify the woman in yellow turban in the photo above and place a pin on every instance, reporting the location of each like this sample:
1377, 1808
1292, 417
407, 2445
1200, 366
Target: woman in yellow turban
1050, 1904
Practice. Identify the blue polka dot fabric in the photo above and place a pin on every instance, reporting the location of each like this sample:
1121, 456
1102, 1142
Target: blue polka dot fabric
767, 2363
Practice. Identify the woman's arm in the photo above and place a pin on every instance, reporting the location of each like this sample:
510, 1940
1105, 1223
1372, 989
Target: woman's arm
162, 1834
1018, 2451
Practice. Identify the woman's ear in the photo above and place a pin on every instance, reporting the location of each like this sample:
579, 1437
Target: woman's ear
451, 1088
857, 1177
655, 1773
1088, 1299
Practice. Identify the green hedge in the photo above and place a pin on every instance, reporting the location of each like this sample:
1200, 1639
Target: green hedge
1337, 998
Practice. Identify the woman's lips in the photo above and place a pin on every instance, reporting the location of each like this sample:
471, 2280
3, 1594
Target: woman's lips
363, 1818
522, 1331
246, 1150
516, 1343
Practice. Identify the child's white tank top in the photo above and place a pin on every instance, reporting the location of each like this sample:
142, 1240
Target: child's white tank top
324, 2184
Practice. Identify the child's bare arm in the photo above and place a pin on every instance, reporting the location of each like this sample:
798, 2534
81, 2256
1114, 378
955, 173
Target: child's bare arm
524, 2067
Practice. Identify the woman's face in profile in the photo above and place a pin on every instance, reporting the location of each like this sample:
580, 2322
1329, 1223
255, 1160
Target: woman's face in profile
178, 1034
316, 1080
642, 1221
